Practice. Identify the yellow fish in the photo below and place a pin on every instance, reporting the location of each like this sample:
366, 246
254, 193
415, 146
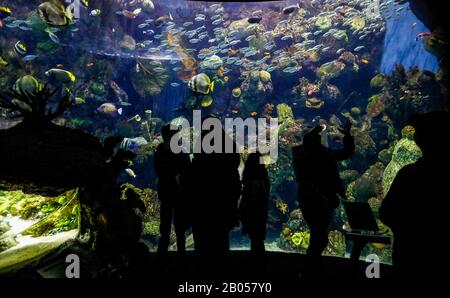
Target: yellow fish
201, 83
314, 103
5, 11
206, 101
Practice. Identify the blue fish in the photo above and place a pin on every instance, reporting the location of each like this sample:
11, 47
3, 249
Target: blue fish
53, 37
29, 58
24, 28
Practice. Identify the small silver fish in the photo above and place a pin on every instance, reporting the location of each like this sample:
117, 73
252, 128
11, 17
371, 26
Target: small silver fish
217, 22
29, 58
53, 37
142, 26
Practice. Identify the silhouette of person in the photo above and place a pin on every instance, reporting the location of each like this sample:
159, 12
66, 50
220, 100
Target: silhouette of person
319, 187
414, 205
216, 188
170, 167
253, 207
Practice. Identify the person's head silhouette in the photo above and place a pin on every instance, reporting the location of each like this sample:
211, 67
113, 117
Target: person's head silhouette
430, 132
313, 139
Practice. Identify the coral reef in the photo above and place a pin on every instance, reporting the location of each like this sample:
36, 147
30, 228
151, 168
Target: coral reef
405, 92
52, 214
336, 244
405, 152
368, 185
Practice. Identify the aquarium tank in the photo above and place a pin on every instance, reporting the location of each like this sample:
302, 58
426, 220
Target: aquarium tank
127, 67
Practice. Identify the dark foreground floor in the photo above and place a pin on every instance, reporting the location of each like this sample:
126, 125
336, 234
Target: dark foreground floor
239, 265
239, 273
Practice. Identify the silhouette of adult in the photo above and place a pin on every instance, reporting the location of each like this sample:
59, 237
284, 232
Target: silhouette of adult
170, 167
253, 207
319, 187
414, 206
216, 188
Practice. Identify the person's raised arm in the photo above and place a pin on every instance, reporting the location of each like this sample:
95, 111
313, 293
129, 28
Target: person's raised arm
349, 143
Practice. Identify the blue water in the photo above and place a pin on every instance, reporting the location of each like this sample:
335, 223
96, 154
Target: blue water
400, 45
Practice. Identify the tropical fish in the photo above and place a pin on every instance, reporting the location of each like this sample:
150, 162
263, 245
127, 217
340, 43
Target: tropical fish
130, 172
214, 6
314, 103
55, 13
147, 5
254, 20
133, 144
131, 14
29, 58
143, 25
217, 22
206, 101
95, 12
53, 37
60, 75
360, 48
163, 19
422, 35
250, 38
3, 62
201, 83
109, 109
236, 92
4, 12
290, 69
148, 32
20, 48
80, 100
174, 84
290, 9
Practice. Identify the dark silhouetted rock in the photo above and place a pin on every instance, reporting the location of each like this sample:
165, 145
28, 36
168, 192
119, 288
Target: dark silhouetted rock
48, 160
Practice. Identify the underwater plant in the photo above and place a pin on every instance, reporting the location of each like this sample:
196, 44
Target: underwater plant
33, 107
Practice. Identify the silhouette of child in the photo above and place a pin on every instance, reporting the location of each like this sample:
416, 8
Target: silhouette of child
254, 203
